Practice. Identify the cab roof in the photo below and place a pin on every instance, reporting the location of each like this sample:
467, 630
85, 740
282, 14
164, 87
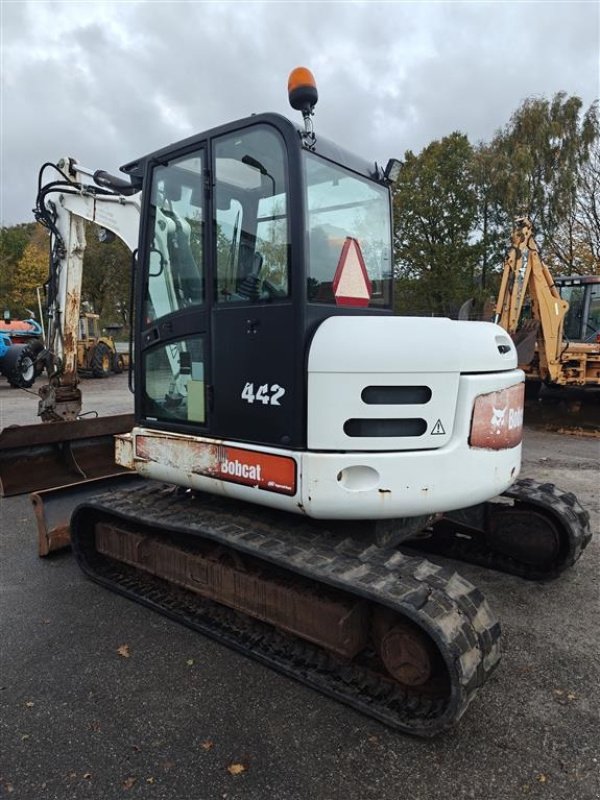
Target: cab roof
322, 146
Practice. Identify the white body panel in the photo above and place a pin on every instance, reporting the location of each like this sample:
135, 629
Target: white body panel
349, 354
413, 482
375, 476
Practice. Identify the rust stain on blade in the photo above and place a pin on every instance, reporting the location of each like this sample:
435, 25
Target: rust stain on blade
44, 456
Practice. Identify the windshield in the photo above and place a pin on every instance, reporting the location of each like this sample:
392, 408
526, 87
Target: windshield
349, 236
575, 297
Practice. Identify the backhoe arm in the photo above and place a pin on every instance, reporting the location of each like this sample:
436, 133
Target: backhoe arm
525, 275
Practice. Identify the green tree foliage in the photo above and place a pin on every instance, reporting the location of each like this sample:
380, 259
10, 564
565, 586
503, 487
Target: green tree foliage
23, 266
436, 207
540, 157
588, 210
106, 277
30, 272
494, 221
455, 204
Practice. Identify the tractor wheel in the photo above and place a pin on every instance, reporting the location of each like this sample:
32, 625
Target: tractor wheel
19, 365
118, 363
532, 390
101, 361
37, 348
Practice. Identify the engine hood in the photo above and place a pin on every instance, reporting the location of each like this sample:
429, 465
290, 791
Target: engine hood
412, 344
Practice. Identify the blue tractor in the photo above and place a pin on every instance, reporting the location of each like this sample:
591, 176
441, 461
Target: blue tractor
21, 347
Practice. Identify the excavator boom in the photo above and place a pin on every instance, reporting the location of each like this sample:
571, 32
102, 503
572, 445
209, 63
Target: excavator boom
68, 449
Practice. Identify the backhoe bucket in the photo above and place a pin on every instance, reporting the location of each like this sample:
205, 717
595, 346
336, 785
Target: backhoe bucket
525, 340
45, 456
54, 507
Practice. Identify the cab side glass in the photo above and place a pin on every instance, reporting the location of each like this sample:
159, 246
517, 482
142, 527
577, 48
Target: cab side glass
175, 269
251, 224
174, 382
341, 206
575, 296
593, 320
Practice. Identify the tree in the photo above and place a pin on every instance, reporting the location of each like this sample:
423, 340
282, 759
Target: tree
493, 220
13, 241
539, 158
30, 272
588, 206
435, 209
106, 277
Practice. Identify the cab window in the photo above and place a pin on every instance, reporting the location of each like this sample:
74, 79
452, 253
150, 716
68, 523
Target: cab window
575, 297
251, 228
175, 270
593, 320
344, 206
174, 381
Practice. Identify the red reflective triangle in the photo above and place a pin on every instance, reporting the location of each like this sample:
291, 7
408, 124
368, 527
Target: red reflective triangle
351, 284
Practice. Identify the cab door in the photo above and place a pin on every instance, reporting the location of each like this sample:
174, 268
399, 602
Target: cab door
257, 356
174, 344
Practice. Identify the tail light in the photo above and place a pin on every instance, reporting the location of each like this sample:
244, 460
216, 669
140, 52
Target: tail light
497, 422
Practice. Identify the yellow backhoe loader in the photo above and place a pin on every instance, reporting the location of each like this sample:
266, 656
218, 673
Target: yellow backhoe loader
97, 354
554, 323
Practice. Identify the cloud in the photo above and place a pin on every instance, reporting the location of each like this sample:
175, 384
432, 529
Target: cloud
108, 82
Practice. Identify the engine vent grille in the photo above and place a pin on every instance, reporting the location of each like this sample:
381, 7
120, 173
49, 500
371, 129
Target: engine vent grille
384, 427
396, 395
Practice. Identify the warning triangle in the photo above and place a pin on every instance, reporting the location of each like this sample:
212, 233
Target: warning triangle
351, 284
438, 429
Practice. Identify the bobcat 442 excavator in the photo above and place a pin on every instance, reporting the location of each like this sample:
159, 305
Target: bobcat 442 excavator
295, 438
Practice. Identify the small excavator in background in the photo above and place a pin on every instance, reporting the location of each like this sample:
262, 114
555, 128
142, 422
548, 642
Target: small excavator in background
554, 322
295, 446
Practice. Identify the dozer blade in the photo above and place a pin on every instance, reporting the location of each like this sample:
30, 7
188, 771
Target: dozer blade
54, 507
45, 456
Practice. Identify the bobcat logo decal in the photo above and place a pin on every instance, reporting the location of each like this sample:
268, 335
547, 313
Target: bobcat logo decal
497, 420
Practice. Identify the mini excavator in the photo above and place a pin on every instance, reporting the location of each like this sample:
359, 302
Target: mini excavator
297, 445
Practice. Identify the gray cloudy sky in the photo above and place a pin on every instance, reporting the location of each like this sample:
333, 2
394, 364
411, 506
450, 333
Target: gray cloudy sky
109, 81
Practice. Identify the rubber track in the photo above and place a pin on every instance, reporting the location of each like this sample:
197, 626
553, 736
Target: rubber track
452, 611
562, 508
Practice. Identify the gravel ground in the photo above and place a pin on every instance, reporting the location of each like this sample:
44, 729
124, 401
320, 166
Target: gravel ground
168, 715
